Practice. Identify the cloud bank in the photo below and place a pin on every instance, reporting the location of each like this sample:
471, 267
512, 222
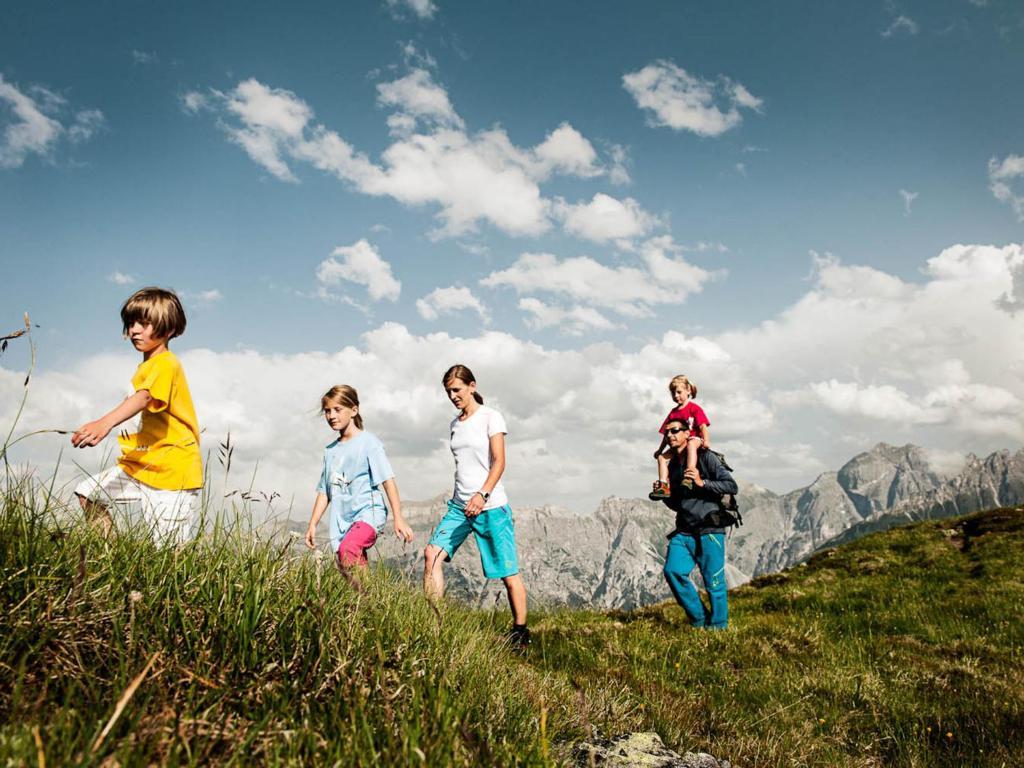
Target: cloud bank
862, 356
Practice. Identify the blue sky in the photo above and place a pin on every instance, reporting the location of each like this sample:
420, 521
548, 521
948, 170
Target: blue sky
584, 182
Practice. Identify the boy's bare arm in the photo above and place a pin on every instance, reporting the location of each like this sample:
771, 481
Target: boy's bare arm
93, 432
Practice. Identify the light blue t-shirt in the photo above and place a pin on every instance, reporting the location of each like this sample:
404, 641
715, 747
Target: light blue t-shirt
351, 479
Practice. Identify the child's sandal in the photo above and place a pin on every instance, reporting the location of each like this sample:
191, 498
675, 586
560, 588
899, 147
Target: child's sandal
660, 491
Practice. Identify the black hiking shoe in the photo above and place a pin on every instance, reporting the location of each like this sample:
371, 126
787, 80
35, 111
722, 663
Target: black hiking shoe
519, 637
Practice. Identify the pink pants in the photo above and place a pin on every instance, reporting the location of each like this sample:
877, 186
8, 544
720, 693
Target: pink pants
352, 550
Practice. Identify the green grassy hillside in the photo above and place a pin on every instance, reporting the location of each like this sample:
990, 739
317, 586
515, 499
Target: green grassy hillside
904, 648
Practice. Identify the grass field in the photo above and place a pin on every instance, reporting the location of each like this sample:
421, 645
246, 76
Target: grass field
902, 649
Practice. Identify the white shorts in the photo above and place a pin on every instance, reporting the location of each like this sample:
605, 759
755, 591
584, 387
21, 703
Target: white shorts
169, 515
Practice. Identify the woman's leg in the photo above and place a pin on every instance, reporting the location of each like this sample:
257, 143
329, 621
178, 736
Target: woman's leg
516, 597
433, 575
679, 563
446, 539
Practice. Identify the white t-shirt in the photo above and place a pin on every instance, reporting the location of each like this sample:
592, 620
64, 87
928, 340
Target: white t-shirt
471, 447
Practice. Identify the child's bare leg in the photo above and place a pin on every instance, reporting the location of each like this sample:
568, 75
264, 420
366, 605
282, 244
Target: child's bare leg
353, 575
433, 576
96, 514
691, 452
663, 467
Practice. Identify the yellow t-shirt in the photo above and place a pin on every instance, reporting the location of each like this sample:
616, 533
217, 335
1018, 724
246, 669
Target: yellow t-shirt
164, 453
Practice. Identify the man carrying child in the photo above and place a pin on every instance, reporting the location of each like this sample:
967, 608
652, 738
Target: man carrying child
696, 542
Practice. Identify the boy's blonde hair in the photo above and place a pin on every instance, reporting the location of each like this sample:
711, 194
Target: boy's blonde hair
680, 382
157, 306
343, 394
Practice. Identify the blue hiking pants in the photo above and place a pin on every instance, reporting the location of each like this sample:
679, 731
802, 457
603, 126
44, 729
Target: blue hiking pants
682, 557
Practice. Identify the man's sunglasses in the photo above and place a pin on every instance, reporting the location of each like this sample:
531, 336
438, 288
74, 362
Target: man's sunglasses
675, 430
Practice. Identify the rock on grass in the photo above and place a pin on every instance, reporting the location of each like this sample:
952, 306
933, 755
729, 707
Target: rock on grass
641, 749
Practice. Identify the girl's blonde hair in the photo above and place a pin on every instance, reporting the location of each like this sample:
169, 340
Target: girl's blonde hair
463, 374
157, 306
343, 394
681, 381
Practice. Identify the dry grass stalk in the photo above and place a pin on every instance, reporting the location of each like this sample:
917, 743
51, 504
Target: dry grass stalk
123, 701
39, 746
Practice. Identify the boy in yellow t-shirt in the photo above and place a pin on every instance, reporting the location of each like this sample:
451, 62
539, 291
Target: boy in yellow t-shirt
160, 467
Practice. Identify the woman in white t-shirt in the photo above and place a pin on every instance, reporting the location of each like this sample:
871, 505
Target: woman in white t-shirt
478, 503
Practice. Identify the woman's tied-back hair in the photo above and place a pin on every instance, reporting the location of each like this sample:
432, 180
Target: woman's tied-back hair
343, 394
681, 382
463, 374
156, 306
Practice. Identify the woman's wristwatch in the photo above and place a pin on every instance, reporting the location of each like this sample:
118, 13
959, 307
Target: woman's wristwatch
485, 495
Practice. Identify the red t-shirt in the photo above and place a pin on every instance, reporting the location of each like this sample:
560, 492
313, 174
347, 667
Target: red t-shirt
691, 414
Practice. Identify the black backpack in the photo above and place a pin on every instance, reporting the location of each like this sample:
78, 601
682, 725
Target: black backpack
727, 514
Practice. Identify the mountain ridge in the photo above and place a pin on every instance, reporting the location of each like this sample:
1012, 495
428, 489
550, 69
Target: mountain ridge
613, 557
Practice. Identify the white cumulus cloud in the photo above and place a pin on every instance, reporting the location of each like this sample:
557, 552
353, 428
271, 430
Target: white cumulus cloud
423, 9
470, 177
573, 321
1000, 174
901, 24
361, 264
120, 278
605, 218
32, 123
417, 96
193, 102
448, 301
618, 173
679, 100
207, 296
658, 276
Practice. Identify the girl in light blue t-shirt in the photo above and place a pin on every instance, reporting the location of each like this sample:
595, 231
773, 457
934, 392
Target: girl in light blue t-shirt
355, 478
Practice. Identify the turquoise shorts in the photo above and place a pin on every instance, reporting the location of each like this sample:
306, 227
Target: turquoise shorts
494, 533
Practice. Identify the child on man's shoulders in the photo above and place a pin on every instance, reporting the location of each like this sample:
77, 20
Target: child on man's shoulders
690, 414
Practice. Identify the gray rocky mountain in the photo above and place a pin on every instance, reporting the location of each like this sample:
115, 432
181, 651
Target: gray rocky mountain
785, 529
613, 557
995, 481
